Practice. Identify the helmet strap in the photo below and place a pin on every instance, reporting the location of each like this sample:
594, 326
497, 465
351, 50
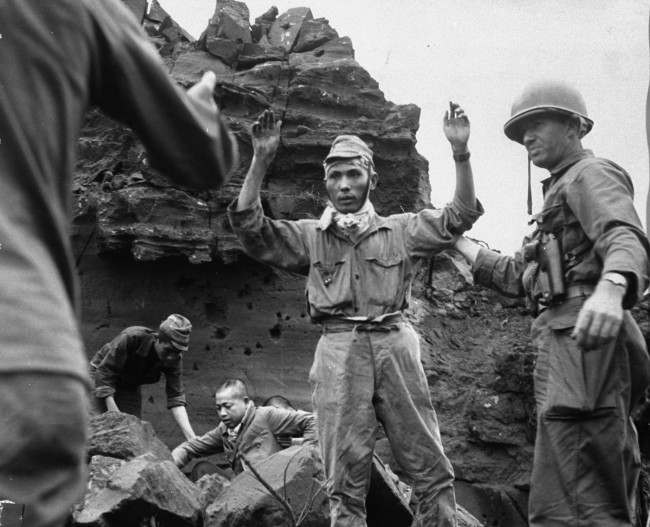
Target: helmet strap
530, 192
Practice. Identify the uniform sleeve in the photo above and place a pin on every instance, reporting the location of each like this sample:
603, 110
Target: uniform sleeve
496, 271
108, 371
174, 386
283, 421
433, 230
280, 243
601, 198
205, 445
131, 84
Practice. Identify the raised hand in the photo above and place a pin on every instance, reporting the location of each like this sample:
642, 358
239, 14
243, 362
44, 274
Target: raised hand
456, 127
265, 136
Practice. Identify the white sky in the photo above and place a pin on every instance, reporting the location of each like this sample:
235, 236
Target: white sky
481, 53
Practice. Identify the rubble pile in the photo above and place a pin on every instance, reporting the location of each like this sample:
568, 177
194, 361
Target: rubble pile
130, 486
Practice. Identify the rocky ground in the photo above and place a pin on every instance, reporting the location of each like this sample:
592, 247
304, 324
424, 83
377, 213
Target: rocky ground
146, 248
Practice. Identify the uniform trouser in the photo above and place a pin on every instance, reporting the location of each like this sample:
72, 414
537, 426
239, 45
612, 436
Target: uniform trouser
587, 461
43, 429
359, 378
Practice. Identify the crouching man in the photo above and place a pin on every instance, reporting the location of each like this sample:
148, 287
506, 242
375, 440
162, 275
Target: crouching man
137, 356
359, 268
245, 430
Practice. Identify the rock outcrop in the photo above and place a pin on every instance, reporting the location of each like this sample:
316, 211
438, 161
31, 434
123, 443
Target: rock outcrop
124, 436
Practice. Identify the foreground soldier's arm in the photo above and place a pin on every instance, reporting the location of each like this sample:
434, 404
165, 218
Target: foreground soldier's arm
184, 133
205, 445
275, 242
434, 230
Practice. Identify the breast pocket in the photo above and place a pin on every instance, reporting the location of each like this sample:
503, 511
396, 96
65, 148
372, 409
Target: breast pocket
385, 278
329, 284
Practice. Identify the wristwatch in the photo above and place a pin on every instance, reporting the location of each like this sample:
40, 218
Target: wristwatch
615, 278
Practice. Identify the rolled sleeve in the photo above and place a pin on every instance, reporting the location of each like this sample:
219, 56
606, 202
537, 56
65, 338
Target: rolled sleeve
433, 230
466, 214
174, 388
205, 445
280, 243
500, 272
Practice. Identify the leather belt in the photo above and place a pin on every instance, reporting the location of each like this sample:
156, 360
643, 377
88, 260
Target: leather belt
577, 290
342, 325
572, 291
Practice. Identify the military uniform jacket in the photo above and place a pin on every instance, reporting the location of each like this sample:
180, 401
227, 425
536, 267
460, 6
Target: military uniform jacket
366, 278
257, 438
588, 204
130, 360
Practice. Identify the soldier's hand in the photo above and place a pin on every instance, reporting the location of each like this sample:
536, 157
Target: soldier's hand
599, 320
455, 124
265, 136
201, 97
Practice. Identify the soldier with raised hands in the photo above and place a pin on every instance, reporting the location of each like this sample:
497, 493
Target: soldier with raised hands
359, 267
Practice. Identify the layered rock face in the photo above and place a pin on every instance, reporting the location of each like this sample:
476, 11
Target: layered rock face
146, 248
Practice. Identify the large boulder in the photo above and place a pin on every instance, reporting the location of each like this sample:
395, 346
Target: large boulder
140, 489
294, 474
124, 436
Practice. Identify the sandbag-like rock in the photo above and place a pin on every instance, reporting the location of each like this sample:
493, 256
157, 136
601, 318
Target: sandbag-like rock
190, 67
124, 436
246, 502
230, 21
210, 486
287, 26
140, 489
314, 33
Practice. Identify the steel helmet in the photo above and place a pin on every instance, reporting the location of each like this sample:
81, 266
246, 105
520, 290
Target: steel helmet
544, 97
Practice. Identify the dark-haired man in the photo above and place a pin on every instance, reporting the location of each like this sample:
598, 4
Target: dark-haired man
137, 356
245, 429
359, 268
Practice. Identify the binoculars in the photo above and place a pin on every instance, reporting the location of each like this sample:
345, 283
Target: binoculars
546, 251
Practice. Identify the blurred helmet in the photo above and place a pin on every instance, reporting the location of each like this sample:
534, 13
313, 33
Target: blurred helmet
547, 96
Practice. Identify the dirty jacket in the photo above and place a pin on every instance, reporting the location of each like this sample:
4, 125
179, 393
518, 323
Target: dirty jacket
257, 438
368, 278
130, 360
588, 203
59, 58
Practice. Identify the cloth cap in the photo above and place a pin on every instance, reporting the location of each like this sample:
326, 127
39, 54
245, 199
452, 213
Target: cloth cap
348, 146
177, 329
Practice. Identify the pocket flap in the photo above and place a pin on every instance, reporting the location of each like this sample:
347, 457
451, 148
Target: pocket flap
387, 261
327, 266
